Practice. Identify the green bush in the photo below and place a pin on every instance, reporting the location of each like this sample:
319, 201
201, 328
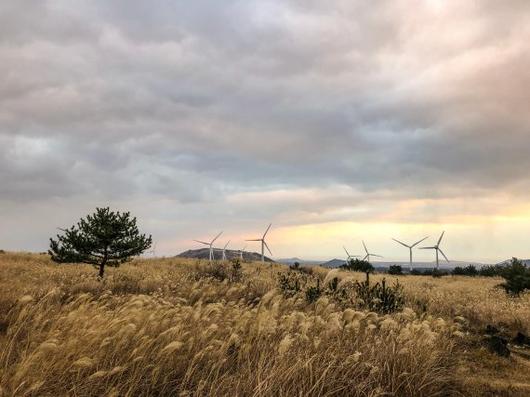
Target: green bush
220, 271
395, 270
379, 297
236, 270
291, 283
312, 293
436, 273
490, 271
358, 265
469, 270
295, 267
516, 276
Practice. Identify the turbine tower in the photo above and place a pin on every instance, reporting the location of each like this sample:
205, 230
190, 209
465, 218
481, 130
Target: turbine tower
438, 250
349, 256
224, 251
368, 254
263, 244
210, 244
241, 253
410, 247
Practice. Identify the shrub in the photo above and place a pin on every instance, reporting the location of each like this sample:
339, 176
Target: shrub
236, 271
313, 293
291, 283
297, 268
469, 270
458, 271
395, 270
220, 271
490, 271
436, 273
380, 298
516, 276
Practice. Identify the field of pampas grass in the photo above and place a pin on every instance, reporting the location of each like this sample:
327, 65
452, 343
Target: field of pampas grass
167, 327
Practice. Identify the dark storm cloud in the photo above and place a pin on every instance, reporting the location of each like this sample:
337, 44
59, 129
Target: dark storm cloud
196, 102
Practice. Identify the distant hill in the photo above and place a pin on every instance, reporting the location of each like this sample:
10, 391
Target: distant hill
526, 262
204, 253
334, 263
290, 261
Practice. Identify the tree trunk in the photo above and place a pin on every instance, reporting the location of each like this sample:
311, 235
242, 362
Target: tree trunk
103, 263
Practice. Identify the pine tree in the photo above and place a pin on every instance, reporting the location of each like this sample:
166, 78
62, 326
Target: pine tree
516, 276
105, 238
358, 265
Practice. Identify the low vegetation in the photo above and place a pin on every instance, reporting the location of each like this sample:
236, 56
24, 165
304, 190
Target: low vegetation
186, 328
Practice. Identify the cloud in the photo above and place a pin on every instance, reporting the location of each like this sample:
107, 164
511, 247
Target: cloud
293, 110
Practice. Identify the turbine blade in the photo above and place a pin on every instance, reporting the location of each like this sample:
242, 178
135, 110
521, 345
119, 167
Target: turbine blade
366, 249
255, 239
216, 237
379, 256
266, 231
347, 253
440, 239
441, 252
365, 257
416, 243
403, 244
226, 245
428, 248
266, 246
202, 242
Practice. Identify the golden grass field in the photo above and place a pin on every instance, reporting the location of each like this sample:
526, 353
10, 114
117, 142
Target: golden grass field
158, 327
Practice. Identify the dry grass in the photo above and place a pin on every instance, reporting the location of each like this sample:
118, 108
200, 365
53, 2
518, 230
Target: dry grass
156, 327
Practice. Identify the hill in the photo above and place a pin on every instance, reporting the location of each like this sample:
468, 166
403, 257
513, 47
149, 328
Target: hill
290, 261
204, 253
526, 262
334, 263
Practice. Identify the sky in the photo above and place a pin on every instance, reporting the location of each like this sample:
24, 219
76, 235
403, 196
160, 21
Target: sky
337, 121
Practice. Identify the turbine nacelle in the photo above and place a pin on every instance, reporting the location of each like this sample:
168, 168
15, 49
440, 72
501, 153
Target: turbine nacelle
368, 254
437, 250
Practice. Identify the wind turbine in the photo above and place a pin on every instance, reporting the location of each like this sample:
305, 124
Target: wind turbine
241, 253
410, 247
224, 251
263, 244
210, 244
368, 254
349, 256
438, 250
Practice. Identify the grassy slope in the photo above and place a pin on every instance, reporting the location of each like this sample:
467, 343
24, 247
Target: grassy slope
157, 327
